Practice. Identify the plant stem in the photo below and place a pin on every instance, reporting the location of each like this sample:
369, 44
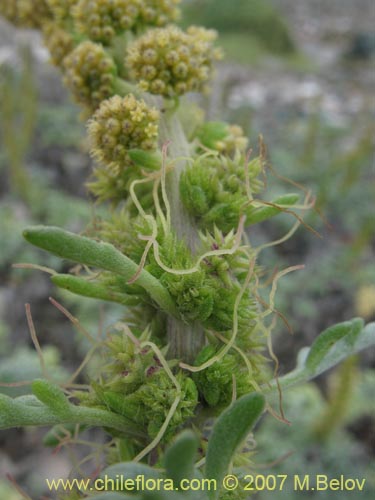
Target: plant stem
185, 340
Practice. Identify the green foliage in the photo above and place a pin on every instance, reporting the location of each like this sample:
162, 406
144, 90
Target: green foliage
230, 430
332, 346
98, 254
340, 453
179, 458
218, 190
226, 377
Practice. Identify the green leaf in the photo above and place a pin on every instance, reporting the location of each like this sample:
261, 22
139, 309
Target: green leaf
98, 254
211, 132
229, 431
130, 471
28, 410
266, 212
85, 288
330, 348
53, 397
145, 159
328, 338
179, 458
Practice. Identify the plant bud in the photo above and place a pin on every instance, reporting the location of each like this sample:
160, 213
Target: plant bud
25, 13
101, 20
119, 125
171, 62
61, 9
58, 42
90, 74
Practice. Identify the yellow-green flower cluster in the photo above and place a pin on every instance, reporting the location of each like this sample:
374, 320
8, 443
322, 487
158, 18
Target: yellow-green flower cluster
90, 74
101, 20
58, 42
120, 124
235, 140
25, 13
61, 9
159, 12
171, 62
221, 137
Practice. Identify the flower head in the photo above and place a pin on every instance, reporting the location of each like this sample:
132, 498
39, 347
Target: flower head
171, 62
159, 12
101, 20
25, 13
120, 124
61, 9
90, 74
58, 42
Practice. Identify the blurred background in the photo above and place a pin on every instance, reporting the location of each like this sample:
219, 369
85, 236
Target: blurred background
302, 74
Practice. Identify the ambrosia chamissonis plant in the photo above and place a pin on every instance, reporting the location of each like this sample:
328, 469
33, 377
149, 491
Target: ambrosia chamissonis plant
181, 195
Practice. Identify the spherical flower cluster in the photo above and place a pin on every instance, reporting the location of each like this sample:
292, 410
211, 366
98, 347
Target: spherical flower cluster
159, 12
101, 20
234, 141
120, 124
171, 62
58, 42
61, 9
219, 136
90, 74
25, 13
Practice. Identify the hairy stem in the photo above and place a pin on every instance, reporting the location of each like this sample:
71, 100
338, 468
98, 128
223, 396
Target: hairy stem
185, 340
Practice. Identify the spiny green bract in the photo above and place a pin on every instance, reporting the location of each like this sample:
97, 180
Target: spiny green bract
193, 292
214, 189
225, 266
225, 378
134, 384
90, 74
208, 294
170, 62
150, 404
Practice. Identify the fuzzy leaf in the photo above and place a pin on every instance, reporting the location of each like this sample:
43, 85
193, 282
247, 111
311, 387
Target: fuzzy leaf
328, 338
330, 348
85, 288
179, 458
146, 159
98, 254
130, 470
21, 412
230, 429
53, 397
211, 132
266, 212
